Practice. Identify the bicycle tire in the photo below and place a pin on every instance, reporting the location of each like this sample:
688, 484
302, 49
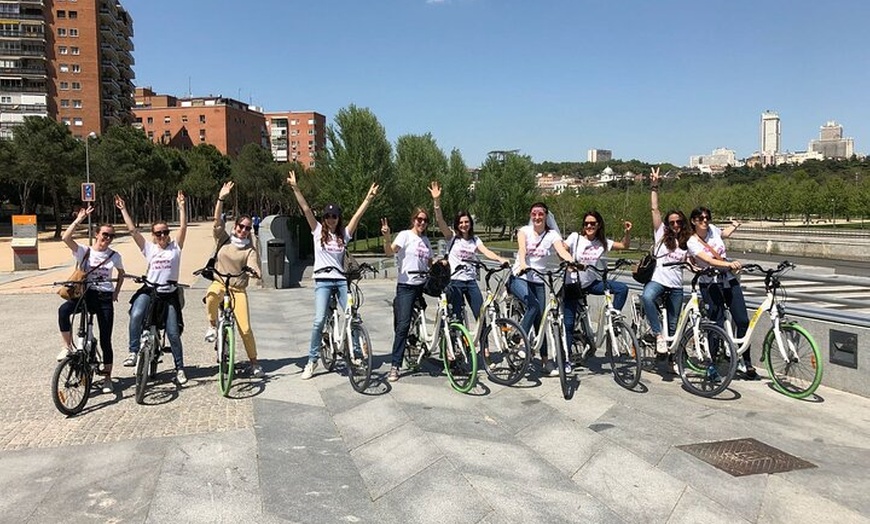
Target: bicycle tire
625, 357
71, 384
462, 370
696, 371
801, 376
505, 366
143, 363
358, 356
226, 357
558, 350
327, 349
413, 344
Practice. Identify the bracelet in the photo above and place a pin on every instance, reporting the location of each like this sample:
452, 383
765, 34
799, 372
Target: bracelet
436, 207
220, 199
653, 188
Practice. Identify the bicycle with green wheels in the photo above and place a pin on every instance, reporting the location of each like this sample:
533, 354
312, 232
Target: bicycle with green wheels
704, 355
345, 336
614, 333
452, 339
789, 352
502, 344
225, 342
74, 375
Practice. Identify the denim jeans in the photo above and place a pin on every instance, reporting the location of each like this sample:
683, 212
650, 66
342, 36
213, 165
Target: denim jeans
403, 306
323, 290
716, 296
173, 330
569, 316
101, 304
673, 304
461, 290
619, 290
534, 296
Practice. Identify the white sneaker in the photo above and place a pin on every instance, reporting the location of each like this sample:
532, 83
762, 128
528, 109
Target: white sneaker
550, 369
257, 371
661, 345
210, 335
308, 372
180, 377
107, 385
130, 361
64, 352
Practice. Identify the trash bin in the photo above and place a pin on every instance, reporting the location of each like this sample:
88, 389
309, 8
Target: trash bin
275, 256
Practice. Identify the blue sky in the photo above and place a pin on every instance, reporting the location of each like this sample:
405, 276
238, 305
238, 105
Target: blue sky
652, 80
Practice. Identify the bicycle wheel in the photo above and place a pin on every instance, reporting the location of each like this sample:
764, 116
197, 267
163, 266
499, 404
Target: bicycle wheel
462, 370
358, 356
71, 384
327, 348
226, 356
558, 350
706, 363
505, 351
800, 373
640, 325
625, 357
143, 363
413, 345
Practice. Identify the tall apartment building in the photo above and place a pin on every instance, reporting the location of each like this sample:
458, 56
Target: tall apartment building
296, 136
770, 134
222, 122
831, 143
65, 59
599, 155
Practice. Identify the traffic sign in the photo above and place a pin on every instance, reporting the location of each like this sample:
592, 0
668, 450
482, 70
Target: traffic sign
89, 192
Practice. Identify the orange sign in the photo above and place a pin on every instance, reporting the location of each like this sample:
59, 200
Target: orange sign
23, 220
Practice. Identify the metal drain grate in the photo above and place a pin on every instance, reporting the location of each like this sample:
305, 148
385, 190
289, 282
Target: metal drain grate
745, 456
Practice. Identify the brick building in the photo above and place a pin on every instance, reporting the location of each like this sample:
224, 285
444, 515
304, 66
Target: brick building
296, 136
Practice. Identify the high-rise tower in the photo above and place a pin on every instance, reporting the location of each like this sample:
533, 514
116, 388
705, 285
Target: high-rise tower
770, 134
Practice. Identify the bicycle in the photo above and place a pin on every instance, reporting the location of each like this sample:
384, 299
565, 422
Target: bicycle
452, 338
74, 375
348, 338
225, 342
795, 366
614, 333
152, 341
704, 354
502, 344
552, 325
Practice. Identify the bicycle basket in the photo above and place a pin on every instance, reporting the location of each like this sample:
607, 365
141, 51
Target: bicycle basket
437, 279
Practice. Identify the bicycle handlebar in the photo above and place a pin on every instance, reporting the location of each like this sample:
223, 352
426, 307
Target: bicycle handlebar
245, 271
143, 279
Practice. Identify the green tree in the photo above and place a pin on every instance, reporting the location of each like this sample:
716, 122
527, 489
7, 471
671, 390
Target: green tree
419, 161
208, 168
257, 179
456, 190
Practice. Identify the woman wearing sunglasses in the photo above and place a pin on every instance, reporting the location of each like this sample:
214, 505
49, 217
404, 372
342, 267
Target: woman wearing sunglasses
330, 243
99, 261
413, 254
707, 248
669, 237
234, 252
163, 256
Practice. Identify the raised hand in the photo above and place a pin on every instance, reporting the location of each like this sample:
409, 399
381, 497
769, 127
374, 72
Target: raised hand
225, 190
654, 176
179, 198
435, 190
627, 226
385, 227
291, 178
85, 212
373, 191
119, 202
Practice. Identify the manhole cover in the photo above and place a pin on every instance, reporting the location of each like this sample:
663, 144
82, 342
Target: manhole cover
745, 456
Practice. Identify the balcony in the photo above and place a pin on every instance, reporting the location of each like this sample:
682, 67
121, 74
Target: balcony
23, 89
111, 68
23, 108
19, 34
38, 72
24, 16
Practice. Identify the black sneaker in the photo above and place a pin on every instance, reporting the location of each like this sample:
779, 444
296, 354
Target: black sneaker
750, 373
648, 338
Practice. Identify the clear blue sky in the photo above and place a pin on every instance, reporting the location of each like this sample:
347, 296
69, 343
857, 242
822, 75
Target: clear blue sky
652, 80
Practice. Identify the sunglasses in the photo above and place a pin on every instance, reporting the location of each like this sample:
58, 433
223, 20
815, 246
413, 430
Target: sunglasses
590, 224
703, 218
330, 216
421, 219
244, 227
107, 236
675, 222
161, 233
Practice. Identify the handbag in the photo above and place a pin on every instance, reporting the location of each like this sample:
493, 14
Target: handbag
351, 267
646, 266
437, 279
79, 275
208, 270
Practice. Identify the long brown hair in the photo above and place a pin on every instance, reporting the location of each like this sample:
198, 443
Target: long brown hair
672, 239
339, 231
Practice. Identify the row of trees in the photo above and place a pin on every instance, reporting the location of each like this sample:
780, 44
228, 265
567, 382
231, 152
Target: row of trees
43, 167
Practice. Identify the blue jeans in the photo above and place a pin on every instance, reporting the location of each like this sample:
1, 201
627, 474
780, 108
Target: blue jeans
323, 291
619, 290
461, 290
173, 331
569, 316
534, 296
673, 304
403, 306
716, 296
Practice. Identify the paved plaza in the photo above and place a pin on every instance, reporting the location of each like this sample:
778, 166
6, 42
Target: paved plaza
286, 450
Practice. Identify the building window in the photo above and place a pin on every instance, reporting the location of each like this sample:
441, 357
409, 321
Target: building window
64, 102
310, 144
61, 31
76, 68
310, 131
202, 120
202, 135
77, 121
184, 132
310, 121
150, 119
73, 15
64, 68
62, 50
167, 119
151, 135
167, 134
74, 50
65, 120
64, 86
61, 14
77, 86
73, 32
184, 119
294, 132
77, 104
294, 122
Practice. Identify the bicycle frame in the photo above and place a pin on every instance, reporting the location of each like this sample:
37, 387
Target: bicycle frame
440, 328
489, 311
551, 319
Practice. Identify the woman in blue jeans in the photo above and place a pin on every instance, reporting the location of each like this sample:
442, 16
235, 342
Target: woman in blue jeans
587, 248
330, 243
463, 245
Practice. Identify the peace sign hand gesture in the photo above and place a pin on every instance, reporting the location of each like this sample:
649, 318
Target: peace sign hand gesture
385, 227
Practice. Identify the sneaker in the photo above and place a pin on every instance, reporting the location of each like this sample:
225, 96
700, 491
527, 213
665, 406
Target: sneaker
568, 369
257, 371
750, 373
394, 374
180, 377
713, 375
741, 367
107, 385
64, 352
672, 367
130, 361
661, 345
649, 338
308, 372
550, 369
210, 335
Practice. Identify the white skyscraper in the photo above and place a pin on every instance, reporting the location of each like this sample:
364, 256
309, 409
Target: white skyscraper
770, 133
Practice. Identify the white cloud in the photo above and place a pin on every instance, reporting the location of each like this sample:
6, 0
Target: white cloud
436, 1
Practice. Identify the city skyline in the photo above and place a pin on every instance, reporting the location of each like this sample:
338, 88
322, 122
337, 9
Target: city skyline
652, 82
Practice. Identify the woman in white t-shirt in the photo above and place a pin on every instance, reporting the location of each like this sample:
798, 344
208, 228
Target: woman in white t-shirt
413, 255
708, 249
670, 239
535, 243
164, 265
463, 245
99, 261
330, 243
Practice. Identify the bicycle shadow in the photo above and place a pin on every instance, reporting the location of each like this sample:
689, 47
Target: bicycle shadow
815, 398
162, 389
106, 399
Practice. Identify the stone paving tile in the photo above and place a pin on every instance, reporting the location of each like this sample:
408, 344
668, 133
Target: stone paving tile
694, 507
785, 501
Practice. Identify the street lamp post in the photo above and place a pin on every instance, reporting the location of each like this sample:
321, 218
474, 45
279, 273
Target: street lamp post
88, 181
